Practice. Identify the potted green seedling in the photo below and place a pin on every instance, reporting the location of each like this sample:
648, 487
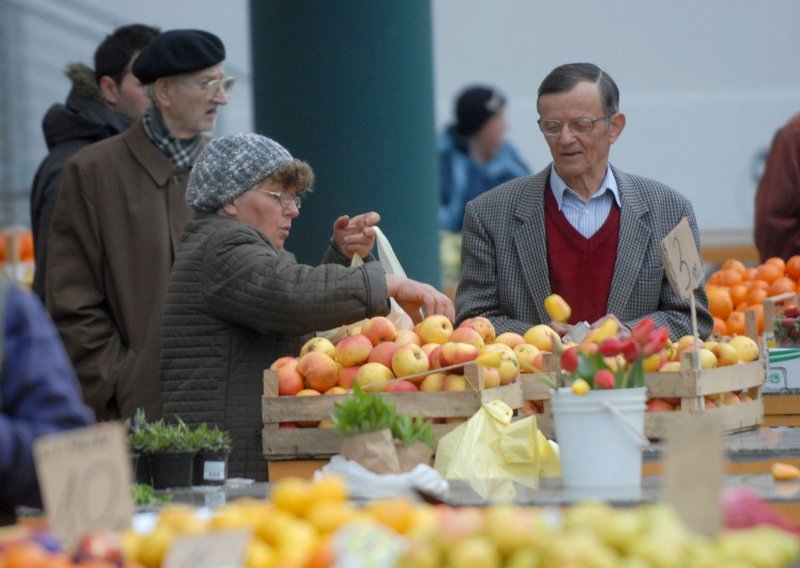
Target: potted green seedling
413, 440
170, 450
139, 461
211, 461
365, 422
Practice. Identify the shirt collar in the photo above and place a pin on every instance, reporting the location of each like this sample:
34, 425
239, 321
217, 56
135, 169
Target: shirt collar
559, 186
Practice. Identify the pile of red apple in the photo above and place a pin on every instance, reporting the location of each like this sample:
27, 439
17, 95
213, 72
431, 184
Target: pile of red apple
379, 357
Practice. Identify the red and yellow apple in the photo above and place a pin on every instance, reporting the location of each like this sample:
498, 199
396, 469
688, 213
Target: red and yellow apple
409, 360
320, 371
435, 328
353, 350
379, 329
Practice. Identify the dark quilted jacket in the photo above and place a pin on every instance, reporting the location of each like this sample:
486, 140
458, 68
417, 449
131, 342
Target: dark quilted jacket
234, 305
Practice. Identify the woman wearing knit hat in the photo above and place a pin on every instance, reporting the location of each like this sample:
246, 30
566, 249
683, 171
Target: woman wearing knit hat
474, 157
237, 300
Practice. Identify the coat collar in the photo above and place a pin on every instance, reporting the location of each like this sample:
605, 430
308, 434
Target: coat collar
530, 234
157, 165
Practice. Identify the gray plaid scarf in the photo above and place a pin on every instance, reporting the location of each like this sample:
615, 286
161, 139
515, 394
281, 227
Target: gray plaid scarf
181, 152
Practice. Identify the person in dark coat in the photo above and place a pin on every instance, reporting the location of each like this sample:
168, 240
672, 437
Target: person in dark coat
39, 394
118, 220
237, 300
100, 104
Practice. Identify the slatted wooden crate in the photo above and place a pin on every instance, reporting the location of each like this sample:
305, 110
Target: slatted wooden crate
321, 443
688, 385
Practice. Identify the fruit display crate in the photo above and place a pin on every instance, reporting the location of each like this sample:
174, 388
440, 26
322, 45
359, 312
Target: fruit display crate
688, 385
322, 443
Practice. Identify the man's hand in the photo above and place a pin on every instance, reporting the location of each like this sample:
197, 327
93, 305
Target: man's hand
560, 328
356, 235
412, 296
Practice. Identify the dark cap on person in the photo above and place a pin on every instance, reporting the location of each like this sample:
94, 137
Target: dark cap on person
178, 51
474, 107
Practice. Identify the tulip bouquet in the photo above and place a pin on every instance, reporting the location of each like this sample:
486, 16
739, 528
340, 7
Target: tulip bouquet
605, 360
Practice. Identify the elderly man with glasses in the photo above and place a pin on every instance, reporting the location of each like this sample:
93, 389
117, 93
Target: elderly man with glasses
580, 228
118, 222
237, 300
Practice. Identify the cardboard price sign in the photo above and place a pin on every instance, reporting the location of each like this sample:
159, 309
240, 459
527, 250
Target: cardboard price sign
85, 479
225, 549
694, 471
681, 260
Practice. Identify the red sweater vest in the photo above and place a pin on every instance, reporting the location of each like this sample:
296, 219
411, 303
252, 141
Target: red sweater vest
580, 269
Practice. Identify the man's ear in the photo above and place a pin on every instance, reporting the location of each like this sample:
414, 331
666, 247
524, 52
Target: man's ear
109, 90
618, 122
161, 91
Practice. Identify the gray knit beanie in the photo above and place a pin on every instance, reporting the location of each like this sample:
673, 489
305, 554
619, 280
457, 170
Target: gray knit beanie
231, 165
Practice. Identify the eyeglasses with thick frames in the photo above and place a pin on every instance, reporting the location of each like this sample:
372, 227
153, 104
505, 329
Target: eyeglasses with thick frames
284, 198
578, 126
210, 88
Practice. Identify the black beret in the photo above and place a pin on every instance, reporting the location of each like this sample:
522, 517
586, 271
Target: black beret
178, 51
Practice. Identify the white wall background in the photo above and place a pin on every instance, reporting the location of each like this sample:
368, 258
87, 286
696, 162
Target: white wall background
704, 84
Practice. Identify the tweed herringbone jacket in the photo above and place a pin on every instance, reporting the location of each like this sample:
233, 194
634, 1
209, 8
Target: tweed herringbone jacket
504, 271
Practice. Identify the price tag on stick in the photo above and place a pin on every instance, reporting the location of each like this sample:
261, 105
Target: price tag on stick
85, 479
684, 269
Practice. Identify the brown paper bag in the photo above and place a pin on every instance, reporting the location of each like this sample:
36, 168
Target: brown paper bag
375, 451
411, 456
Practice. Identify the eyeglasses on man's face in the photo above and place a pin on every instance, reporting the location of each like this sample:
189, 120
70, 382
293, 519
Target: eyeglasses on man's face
211, 87
285, 198
578, 126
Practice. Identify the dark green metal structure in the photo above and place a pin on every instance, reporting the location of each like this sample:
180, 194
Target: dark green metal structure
347, 85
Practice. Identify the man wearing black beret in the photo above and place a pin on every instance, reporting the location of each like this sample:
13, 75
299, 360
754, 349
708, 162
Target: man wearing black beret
118, 222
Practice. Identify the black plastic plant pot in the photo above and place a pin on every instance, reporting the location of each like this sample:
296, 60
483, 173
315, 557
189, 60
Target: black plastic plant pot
141, 468
172, 469
210, 467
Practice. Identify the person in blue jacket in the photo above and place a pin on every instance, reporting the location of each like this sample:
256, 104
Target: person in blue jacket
39, 394
474, 157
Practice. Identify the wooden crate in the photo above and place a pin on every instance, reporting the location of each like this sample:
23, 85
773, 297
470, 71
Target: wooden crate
322, 443
688, 385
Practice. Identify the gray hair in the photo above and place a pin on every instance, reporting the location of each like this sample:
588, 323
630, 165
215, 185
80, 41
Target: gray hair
564, 78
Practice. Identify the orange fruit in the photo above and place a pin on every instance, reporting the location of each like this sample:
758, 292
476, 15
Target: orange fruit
733, 264
738, 293
719, 326
719, 302
777, 262
729, 278
756, 296
793, 267
756, 284
769, 273
781, 286
741, 307
735, 323
713, 279
749, 274
26, 246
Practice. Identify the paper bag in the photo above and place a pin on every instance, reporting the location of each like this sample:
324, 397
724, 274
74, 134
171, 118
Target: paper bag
490, 446
374, 450
391, 265
411, 456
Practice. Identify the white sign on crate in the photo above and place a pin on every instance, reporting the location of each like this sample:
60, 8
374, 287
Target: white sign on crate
681, 260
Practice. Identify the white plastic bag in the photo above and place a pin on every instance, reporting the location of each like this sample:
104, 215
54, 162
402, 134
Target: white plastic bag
391, 265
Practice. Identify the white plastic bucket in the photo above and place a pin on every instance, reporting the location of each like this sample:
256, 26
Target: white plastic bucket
600, 436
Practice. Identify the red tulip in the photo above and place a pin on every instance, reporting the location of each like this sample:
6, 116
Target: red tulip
604, 379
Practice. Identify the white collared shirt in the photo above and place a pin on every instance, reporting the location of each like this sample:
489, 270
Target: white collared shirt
585, 216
